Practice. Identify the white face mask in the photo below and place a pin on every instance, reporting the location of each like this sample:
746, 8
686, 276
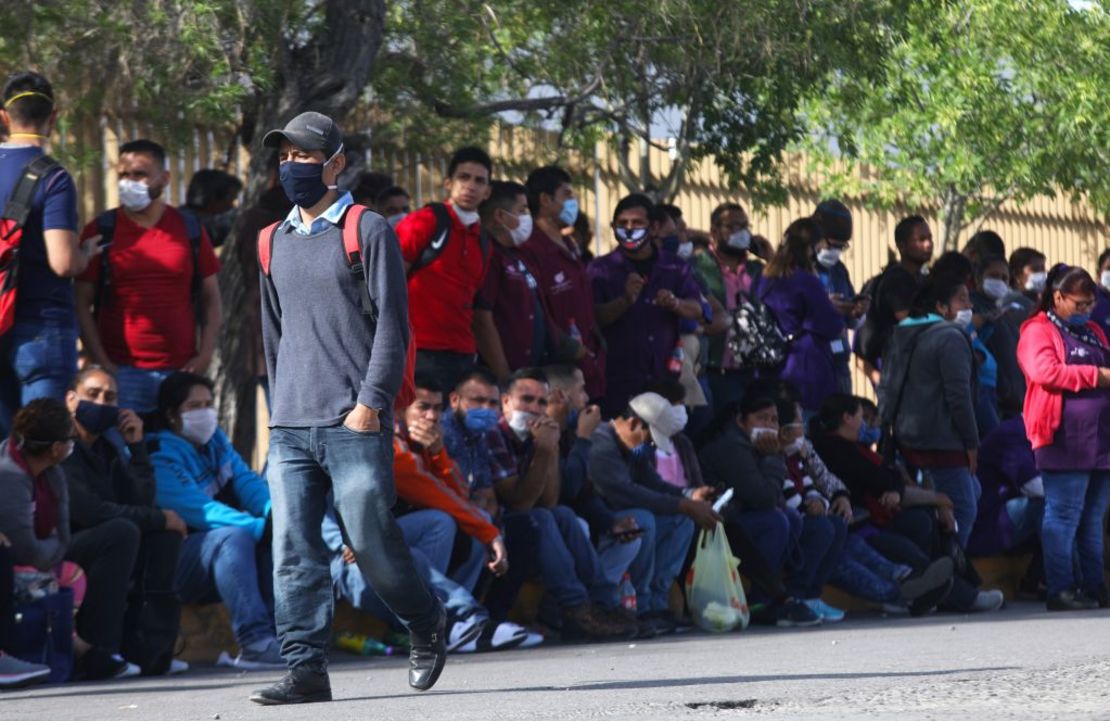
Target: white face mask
686, 250
963, 318
1036, 282
829, 257
395, 220
69, 450
995, 288
134, 195
761, 432
1104, 279
520, 422
740, 240
794, 446
466, 217
199, 425
522, 232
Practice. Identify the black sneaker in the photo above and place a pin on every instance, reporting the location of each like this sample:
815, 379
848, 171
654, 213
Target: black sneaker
1071, 600
929, 600
794, 614
663, 622
1100, 596
297, 686
935, 575
428, 655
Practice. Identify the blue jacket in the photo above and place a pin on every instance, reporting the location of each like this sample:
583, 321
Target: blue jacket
209, 488
837, 280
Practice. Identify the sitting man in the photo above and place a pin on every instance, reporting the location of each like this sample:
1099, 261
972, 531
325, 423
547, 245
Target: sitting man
111, 481
571, 569
627, 478
226, 506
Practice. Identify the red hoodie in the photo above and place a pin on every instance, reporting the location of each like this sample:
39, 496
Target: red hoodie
1042, 359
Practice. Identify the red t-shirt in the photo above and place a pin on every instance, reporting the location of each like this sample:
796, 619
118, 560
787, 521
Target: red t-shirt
441, 294
147, 319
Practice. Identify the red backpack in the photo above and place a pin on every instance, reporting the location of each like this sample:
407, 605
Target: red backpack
12, 221
352, 251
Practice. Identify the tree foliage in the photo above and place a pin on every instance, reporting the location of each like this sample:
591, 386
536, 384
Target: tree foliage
979, 102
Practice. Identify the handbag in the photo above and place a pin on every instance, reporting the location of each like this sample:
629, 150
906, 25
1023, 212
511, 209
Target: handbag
43, 633
756, 341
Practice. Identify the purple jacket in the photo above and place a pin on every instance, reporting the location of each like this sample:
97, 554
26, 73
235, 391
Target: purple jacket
1006, 463
802, 308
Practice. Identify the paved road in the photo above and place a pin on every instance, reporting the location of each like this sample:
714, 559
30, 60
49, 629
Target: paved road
1017, 664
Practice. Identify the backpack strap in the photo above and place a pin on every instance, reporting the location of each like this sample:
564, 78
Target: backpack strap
19, 202
194, 231
439, 239
106, 227
266, 246
352, 253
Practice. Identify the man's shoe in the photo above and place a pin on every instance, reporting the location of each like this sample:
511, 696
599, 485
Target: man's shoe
935, 575
297, 686
590, 623
663, 622
928, 601
17, 673
259, 656
988, 601
428, 655
795, 614
1070, 601
1100, 596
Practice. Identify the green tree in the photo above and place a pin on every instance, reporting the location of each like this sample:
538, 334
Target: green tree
979, 102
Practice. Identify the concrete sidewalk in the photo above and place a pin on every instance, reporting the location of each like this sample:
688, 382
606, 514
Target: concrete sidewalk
1021, 663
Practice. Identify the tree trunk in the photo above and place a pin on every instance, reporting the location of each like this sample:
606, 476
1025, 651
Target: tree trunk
955, 207
326, 73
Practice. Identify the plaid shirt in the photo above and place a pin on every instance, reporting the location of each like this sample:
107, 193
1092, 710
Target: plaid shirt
482, 458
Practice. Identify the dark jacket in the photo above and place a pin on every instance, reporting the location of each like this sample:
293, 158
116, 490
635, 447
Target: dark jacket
860, 468
104, 485
17, 514
1001, 338
626, 482
935, 362
730, 460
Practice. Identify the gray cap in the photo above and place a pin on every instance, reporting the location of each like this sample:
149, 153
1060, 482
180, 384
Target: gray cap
308, 131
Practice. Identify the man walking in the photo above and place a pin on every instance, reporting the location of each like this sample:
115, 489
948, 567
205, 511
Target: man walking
335, 363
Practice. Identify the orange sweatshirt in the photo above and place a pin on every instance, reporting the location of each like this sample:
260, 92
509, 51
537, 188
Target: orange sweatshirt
428, 481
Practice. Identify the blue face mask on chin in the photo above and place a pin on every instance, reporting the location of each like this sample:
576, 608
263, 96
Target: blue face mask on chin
480, 420
569, 213
869, 435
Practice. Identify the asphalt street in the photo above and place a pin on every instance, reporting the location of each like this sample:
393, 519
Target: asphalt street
1020, 663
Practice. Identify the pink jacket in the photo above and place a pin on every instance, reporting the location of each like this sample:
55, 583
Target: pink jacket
1048, 376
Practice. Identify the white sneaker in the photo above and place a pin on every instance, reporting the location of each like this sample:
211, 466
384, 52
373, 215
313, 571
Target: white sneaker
129, 669
506, 635
261, 656
177, 667
988, 601
465, 633
16, 672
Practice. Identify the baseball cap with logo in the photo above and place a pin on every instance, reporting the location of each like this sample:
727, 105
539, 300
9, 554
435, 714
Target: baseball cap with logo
664, 419
308, 131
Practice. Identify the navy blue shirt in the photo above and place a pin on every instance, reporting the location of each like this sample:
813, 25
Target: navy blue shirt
54, 207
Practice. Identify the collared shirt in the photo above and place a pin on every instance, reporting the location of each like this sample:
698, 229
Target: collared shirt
479, 456
723, 285
332, 215
514, 452
643, 338
511, 293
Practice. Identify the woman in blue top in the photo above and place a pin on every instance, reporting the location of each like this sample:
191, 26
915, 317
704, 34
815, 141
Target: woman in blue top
226, 505
804, 313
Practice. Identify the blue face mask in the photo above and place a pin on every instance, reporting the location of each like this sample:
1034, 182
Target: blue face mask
643, 452
869, 435
569, 213
572, 419
480, 420
670, 244
303, 183
1079, 320
96, 418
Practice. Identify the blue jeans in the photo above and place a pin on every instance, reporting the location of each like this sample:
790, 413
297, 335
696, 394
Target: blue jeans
227, 564
304, 465
138, 387
425, 531
666, 541
820, 542
1075, 503
37, 360
964, 490
864, 572
769, 532
1026, 515
616, 557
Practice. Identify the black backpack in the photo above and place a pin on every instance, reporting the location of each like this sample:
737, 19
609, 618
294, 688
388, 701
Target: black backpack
106, 226
440, 238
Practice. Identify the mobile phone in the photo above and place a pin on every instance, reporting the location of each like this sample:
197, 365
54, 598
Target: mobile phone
629, 535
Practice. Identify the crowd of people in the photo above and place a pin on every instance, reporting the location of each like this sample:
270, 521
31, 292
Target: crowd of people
570, 418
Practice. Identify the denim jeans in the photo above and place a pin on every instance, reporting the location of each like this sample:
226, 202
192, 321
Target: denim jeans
425, 532
768, 533
1075, 503
1027, 516
37, 360
864, 572
820, 540
963, 488
227, 564
616, 557
138, 387
666, 541
304, 465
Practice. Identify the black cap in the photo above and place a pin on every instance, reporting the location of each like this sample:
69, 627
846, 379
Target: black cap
835, 220
308, 131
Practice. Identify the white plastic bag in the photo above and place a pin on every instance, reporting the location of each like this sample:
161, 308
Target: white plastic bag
714, 593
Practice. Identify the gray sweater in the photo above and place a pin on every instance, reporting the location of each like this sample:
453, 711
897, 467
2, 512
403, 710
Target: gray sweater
731, 461
323, 353
937, 412
625, 482
17, 514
